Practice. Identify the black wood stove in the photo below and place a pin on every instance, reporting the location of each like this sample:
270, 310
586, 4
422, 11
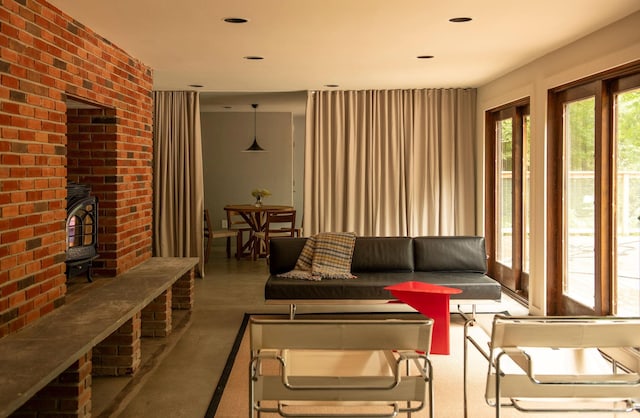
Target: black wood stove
82, 230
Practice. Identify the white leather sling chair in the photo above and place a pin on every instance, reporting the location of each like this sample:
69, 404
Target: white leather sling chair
306, 367
561, 364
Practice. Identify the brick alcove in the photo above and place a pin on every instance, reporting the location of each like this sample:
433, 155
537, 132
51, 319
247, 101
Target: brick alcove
90, 131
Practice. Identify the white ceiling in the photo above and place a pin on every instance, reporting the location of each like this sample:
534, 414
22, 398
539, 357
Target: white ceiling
356, 44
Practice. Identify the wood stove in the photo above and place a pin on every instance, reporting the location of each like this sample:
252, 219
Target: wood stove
82, 230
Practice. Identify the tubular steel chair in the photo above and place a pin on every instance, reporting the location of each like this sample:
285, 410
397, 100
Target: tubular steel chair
561, 364
280, 223
298, 366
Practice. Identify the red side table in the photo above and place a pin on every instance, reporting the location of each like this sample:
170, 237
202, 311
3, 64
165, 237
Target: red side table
431, 301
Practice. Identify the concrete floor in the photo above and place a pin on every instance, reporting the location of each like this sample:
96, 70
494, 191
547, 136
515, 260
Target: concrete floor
180, 378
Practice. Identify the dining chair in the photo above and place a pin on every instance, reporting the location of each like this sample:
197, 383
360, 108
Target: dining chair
236, 222
210, 234
280, 223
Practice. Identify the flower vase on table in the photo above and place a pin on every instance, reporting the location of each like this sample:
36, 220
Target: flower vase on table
259, 194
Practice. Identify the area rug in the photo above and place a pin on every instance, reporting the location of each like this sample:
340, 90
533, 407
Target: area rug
231, 397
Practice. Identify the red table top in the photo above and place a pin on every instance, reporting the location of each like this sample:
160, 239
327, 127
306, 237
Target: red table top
419, 287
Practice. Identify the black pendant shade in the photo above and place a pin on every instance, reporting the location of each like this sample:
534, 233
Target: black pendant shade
255, 147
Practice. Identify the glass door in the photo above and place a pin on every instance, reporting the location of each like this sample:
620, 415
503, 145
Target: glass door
627, 202
504, 191
579, 203
594, 181
507, 196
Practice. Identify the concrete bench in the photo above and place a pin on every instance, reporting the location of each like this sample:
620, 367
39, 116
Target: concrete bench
47, 366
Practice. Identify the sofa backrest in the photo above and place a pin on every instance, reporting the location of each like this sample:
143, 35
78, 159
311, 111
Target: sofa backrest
389, 254
450, 253
394, 254
283, 253
369, 254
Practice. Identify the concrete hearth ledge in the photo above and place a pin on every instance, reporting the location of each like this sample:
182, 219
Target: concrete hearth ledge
35, 355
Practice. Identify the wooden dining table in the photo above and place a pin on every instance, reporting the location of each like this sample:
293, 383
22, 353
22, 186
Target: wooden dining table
255, 216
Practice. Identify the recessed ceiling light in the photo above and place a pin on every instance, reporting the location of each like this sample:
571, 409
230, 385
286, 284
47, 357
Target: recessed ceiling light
460, 19
253, 57
424, 57
235, 20
196, 86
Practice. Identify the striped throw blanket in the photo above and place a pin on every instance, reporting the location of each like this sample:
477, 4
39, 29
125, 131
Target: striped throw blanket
326, 255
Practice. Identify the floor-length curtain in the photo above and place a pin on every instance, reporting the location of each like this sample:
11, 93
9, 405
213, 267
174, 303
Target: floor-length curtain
390, 162
178, 176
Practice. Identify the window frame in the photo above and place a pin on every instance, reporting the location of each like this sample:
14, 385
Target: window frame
603, 87
513, 279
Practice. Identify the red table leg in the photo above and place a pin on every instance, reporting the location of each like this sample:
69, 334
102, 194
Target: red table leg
432, 301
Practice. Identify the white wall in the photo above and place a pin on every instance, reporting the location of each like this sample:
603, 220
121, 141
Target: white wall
608, 48
230, 174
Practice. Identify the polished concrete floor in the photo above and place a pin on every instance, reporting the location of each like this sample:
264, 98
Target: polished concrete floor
180, 380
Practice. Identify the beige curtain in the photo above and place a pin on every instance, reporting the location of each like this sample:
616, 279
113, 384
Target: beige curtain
178, 177
391, 162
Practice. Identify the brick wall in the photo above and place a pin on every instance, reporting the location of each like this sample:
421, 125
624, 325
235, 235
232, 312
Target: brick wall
46, 57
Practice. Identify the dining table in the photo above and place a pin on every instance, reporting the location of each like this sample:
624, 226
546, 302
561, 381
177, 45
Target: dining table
255, 217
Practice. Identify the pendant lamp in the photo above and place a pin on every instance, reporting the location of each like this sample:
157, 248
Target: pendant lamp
254, 146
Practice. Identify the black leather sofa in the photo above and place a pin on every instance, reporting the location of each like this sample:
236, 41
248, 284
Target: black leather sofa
452, 261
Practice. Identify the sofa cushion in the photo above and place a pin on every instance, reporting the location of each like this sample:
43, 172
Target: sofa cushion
371, 286
388, 254
474, 286
450, 253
